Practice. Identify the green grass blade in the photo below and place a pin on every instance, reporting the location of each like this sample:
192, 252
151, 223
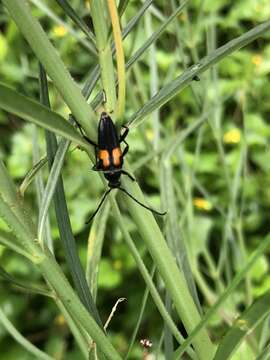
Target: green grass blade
51, 185
242, 326
59, 283
32, 349
89, 45
95, 243
148, 42
61, 211
236, 280
101, 26
92, 79
39, 187
79, 334
76, 19
29, 177
38, 114
265, 354
52, 272
49, 57
13, 199
11, 242
140, 317
174, 87
172, 230
156, 35
23, 285
122, 6
148, 279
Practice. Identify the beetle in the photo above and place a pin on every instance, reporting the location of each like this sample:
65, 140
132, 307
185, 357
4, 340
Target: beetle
110, 158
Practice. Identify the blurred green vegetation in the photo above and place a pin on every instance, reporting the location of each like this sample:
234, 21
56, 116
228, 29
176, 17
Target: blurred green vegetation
229, 152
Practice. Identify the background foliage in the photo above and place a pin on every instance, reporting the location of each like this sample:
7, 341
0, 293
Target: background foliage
220, 173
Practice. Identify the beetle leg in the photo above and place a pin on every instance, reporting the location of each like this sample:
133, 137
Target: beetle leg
126, 173
124, 135
97, 166
90, 141
81, 131
125, 149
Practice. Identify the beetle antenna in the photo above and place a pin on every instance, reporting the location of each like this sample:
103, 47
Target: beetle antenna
99, 206
143, 205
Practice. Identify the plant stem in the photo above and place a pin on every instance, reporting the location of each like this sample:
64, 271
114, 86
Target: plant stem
20, 12
167, 267
22, 340
120, 59
98, 11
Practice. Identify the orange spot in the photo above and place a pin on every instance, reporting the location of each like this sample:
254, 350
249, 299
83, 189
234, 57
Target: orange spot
105, 157
116, 154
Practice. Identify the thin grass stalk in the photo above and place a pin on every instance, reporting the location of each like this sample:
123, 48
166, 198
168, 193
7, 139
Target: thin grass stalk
87, 44
140, 317
98, 12
30, 176
66, 236
120, 59
57, 281
77, 20
153, 69
234, 283
147, 278
141, 51
21, 13
33, 111
166, 265
159, 250
173, 233
13, 198
48, 241
30, 348
166, 93
51, 186
80, 335
12, 243
54, 275
95, 243
92, 79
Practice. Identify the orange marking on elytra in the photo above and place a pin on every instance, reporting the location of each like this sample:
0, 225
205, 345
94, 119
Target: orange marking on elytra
105, 157
116, 154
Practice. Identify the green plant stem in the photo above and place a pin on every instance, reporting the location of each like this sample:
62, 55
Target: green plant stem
22, 340
65, 231
79, 334
49, 268
237, 279
98, 11
94, 250
173, 88
20, 12
59, 283
38, 114
12, 197
166, 265
147, 278
12, 243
